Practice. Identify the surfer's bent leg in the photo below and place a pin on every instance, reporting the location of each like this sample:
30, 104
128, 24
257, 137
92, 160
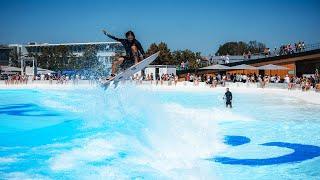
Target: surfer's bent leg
116, 63
135, 53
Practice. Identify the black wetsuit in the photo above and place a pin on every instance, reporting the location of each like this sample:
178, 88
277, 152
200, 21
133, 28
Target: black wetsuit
228, 96
127, 46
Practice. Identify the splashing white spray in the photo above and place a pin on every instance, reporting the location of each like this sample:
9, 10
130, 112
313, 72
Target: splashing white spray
136, 135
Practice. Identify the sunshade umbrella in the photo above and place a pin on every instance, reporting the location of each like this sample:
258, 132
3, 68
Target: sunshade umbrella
244, 67
45, 72
30, 70
272, 67
216, 67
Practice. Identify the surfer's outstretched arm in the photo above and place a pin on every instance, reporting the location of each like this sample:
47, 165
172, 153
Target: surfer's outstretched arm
110, 36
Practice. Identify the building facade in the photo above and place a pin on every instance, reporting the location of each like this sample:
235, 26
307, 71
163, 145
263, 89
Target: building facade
105, 50
4, 55
298, 64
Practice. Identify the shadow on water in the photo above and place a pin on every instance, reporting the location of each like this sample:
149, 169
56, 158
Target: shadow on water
25, 110
301, 153
64, 127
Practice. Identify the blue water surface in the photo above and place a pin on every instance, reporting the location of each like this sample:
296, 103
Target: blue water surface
130, 133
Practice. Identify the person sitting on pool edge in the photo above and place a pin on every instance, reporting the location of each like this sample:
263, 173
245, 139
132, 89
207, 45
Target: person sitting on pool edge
133, 48
228, 98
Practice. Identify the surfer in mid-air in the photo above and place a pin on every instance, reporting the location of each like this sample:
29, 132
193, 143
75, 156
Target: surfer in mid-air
133, 48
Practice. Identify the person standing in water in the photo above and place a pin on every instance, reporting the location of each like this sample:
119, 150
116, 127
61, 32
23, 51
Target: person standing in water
133, 48
228, 98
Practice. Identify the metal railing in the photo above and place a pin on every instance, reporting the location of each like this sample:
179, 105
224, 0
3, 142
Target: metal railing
278, 52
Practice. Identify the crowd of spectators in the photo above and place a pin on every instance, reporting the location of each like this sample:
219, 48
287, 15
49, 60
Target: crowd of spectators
290, 49
16, 79
304, 83
247, 55
282, 50
170, 78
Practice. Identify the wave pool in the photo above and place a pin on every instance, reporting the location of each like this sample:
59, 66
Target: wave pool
134, 133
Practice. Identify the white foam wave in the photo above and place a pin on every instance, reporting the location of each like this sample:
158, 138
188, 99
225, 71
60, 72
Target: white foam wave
214, 114
163, 140
91, 151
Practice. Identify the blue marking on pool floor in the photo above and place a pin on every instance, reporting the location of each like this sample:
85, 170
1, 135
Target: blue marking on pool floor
236, 140
301, 153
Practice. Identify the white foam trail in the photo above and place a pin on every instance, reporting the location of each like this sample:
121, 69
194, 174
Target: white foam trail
58, 105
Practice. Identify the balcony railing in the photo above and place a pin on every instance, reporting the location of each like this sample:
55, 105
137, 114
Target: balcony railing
231, 59
273, 53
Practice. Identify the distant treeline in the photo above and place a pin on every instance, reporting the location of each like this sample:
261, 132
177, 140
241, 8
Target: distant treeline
61, 58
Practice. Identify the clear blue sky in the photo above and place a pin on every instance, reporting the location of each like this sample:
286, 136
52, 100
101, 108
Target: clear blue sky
199, 25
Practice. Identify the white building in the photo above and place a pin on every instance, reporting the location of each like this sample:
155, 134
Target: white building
158, 70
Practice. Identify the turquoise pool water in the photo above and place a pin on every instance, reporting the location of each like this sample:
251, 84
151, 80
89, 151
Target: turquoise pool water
130, 133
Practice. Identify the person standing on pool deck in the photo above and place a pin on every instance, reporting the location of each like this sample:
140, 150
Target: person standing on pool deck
134, 51
228, 98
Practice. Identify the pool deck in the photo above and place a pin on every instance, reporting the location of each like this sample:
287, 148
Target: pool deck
309, 96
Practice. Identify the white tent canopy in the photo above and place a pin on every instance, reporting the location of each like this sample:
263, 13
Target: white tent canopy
216, 67
29, 71
45, 71
10, 69
243, 67
272, 67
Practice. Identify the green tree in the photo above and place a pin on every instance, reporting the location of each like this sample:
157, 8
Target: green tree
177, 57
186, 56
89, 59
55, 58
42, 58
165, 57
256, 47
238, 48
61, 57
152, 49
14, 58
191, 58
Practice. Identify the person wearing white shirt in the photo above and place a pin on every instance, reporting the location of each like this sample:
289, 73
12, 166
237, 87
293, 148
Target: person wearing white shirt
287, 79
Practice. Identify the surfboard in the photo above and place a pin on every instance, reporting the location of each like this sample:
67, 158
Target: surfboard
126, 74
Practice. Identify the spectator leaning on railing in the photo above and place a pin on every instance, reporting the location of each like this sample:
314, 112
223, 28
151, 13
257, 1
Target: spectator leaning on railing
282, 50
